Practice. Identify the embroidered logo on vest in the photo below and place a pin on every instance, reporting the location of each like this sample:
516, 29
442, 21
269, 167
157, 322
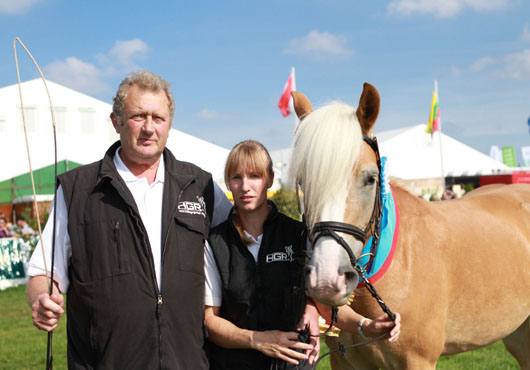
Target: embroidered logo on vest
193, 208
286, 256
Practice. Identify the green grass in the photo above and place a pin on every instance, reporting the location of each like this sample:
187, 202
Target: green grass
22, 346
494, 357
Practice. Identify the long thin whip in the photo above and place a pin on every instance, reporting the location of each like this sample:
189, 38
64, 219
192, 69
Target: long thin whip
49, 273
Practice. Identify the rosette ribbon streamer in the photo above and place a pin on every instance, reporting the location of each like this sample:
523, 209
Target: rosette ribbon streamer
49, 272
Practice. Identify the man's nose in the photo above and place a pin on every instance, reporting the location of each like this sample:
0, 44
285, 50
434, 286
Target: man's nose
148, 126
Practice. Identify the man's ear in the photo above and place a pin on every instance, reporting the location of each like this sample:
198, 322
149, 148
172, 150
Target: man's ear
115, 122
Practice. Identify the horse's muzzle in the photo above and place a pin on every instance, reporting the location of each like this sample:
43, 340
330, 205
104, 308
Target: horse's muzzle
331, 289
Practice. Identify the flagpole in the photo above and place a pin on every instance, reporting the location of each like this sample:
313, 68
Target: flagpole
296, 120
440, 137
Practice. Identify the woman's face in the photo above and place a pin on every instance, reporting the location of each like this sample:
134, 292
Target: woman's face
249, 190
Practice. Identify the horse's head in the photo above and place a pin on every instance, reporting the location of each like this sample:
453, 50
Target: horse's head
338, 173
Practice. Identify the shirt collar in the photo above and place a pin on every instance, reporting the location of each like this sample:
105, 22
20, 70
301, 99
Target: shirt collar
254, 240
128, 176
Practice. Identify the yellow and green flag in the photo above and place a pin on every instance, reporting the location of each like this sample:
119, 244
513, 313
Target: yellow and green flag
434, 117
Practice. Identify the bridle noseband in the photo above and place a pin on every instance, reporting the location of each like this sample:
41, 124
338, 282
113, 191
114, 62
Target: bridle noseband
332, 228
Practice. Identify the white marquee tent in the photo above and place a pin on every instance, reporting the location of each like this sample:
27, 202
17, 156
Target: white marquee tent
413, 154
84, 131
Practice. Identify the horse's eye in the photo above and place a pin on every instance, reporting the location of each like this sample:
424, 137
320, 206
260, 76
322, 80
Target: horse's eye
370, 181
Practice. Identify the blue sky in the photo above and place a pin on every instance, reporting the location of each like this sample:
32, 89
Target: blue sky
228, 60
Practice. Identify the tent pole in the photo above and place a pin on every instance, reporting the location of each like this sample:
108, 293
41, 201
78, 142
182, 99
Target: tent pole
440, 139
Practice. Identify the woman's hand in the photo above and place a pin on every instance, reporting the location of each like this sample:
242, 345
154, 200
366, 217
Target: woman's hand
280, 344
381, 325
309, 322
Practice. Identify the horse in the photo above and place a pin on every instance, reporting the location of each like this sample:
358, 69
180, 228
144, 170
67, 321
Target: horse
459, 270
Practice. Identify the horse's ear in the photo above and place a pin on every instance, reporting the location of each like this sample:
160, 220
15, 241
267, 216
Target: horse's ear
368, 108
302, 105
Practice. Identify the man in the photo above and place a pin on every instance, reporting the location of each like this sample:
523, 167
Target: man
130, 245
23, 226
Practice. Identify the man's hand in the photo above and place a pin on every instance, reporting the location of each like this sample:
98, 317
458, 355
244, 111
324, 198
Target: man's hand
46, 311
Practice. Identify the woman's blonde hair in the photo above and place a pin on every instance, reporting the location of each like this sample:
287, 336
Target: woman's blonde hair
252, 156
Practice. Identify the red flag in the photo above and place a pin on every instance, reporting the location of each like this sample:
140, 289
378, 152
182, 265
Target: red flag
283, 104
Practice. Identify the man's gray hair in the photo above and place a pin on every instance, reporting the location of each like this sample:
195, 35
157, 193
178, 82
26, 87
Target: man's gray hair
145, 80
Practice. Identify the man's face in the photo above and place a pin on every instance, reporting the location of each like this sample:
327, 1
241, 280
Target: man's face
144, 126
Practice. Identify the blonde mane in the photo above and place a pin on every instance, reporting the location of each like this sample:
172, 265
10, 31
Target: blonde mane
325, 149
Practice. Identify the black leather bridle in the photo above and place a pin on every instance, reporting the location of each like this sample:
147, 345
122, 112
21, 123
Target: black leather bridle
332, 228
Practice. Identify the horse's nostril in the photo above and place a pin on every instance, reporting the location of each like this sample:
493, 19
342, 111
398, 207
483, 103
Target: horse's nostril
346, 268
350, 276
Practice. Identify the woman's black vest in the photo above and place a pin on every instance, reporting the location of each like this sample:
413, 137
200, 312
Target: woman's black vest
269, 295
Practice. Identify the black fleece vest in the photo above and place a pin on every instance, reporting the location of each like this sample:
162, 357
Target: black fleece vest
268, 295
118, 318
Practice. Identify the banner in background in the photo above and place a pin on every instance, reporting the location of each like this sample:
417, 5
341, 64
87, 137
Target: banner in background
14, 257
526, 155
496, 153
508, 156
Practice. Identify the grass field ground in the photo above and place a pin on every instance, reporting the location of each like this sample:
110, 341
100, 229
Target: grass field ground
23, 347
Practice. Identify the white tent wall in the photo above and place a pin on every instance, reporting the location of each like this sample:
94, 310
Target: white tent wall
83, 127
413, 154
413, 157
208, 156
84, 131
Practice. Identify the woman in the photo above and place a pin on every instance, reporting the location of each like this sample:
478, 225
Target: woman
255, 301
4, 230
255, 296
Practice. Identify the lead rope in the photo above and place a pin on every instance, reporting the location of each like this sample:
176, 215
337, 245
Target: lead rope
341, 347
334, 317
374, 293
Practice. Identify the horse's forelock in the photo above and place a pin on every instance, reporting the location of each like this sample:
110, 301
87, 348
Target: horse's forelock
325, 149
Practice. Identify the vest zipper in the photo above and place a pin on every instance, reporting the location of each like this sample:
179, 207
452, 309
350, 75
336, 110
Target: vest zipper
159, 302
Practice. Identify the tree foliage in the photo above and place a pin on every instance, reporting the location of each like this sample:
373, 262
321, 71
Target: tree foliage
285, 199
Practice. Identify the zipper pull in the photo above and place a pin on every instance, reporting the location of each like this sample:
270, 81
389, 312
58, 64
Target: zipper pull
159, 300
117, 231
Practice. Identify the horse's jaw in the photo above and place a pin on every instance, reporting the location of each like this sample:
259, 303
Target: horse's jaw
328, 296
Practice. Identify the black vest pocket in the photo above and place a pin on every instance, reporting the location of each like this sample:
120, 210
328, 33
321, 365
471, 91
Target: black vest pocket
190, 233
106, 250
194, 223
